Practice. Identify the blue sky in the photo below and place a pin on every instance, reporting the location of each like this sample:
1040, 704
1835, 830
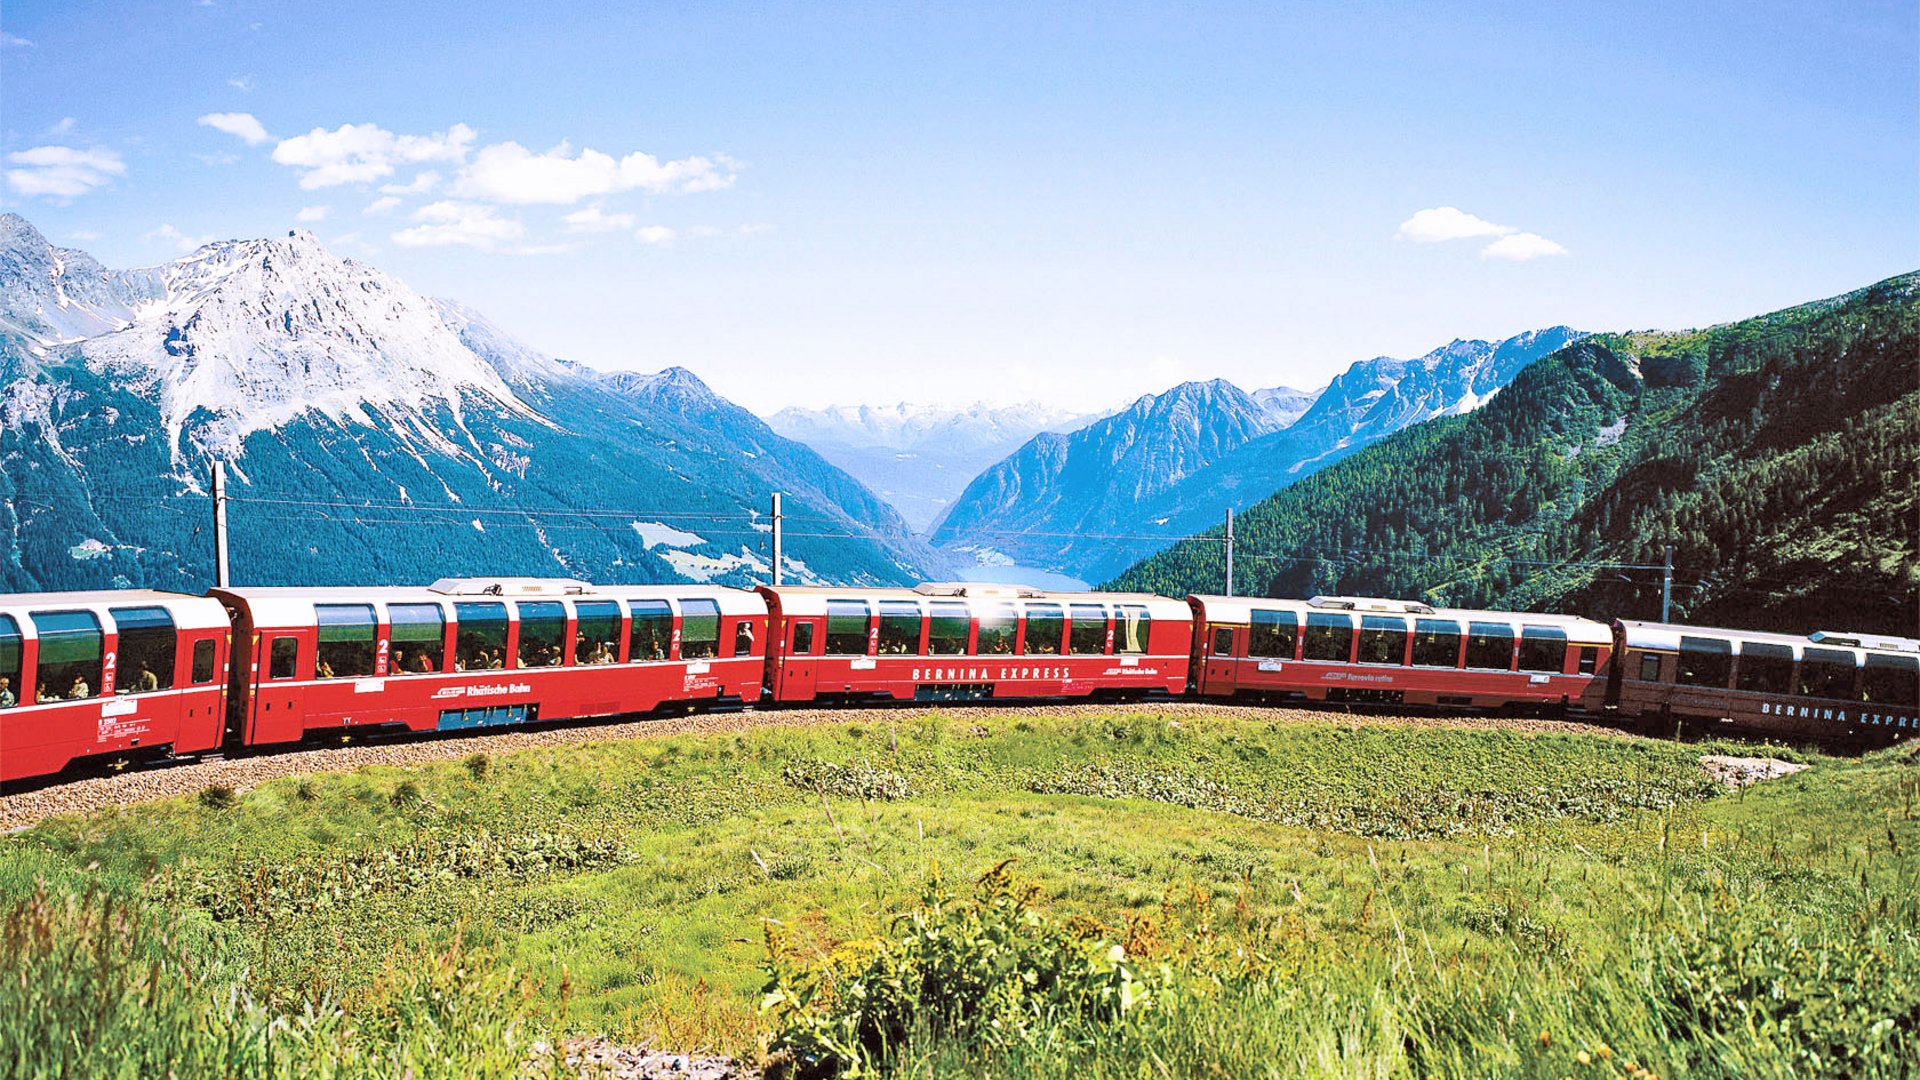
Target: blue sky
815, 203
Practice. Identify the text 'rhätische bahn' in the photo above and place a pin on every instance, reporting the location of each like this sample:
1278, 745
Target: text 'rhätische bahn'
128, 676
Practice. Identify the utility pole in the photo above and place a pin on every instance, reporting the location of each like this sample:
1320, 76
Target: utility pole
776, 539
220, 524
1666, 584
1229, 551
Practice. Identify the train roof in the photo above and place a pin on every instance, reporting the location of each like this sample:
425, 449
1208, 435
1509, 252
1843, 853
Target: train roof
1666, 636
189, 612
812, 599
1239, 609
292, 605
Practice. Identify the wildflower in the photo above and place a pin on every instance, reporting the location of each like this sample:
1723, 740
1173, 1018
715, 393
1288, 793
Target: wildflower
1546, 1038
1604, 1051
1583, 1058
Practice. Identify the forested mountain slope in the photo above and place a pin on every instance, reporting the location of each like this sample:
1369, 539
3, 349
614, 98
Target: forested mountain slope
1779, 455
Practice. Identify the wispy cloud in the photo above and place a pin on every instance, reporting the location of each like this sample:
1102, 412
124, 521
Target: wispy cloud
313, 213
64, 125
450, 222
243, 83
382, 205
510, 173
178, 240
14, 41
62, 172
240, 125
419, 185
654, 234
595, 219
1521, 247
363, 153
1440, 224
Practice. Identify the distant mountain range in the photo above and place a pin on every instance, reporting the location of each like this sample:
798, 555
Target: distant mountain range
920, 457
373, 435
1092, 502
1778, 455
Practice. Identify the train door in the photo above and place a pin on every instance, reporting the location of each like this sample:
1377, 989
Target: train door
800, 664
279, 659
1222, 674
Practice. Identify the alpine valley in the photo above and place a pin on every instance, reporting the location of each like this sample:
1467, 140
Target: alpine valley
372, 435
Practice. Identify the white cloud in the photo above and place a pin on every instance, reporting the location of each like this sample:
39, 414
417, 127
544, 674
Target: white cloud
313, 213
419, 185
382, 204
65, 125
242, 83
1521, 247
450, 222
62, 171
654, 234
362, 153
594, 220
179, 240
14, 41
240, 125
510, 173
1447, 223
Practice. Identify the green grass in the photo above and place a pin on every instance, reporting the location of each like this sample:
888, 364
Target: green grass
1325, 898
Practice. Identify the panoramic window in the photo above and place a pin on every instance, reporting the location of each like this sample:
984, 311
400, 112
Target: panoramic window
1436, 643
416, 638
481, 641
846, 628
283, 660
998, 624
9, 662
948, 629
1046, 630
1765, 668
146, 649
1089, 634
1827, 673
346, 641
699, 629
1543, 648
1383, 640
1133, 627
596, 637
70, 649
1490, 645
203, 661
1272, 635
1705, 662
899, 628
1891, 680
650, 636
1328, 637
543, 633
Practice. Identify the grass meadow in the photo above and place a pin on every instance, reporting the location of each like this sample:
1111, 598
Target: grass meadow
1127, 895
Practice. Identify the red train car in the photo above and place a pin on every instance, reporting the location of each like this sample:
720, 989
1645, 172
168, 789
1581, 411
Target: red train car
1828, 686
1400, 652
469, 652
965, 641
108, 675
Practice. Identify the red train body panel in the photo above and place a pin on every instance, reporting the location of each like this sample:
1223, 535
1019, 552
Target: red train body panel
120, 675
944, 642
1347, 649
468, 653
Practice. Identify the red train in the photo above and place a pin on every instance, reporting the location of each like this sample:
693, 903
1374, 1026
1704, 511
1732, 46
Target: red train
119, 676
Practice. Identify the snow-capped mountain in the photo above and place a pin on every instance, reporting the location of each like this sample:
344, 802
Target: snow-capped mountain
374, 435
1173, 464
919, 457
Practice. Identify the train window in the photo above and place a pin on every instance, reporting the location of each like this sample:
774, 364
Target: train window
146, 650
651, 635
1827, 673
1705, 662
899, 628
846, 628
481, 644
1383, 640
1046, 630
543, 633
1272, 635
700, 629
416, 638
1649, 667
283, 658
596, 636
998, 624
1765, 668
1490, 645
346, 641
1891, 680
1133, 628
1543, 648
948, 628
202, 661
1436, 643
1328, 637
743, 638
1589, 659
1089, 634
70, 648
802, 638
1223, 641
9, 662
